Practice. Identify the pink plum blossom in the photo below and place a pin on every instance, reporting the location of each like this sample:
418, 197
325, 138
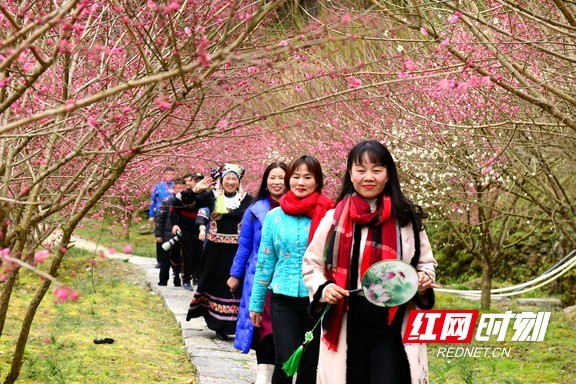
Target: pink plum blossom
28, 67
162, 103
173, 6
127, 248
64, 294
353, 82
92, 122
409, 65
444, 84
41, 256
462, 88
204, 58
70, 104
454, 18
222, 124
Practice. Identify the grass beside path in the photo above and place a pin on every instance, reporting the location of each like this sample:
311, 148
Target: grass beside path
112, 235
114, 302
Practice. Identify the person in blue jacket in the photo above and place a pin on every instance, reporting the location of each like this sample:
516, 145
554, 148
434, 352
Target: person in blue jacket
286, 233
244, 266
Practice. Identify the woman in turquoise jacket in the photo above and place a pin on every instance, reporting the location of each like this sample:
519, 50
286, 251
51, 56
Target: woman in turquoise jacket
286, 232
244, 266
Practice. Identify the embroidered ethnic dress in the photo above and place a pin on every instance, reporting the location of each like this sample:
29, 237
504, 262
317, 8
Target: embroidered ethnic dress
212, 298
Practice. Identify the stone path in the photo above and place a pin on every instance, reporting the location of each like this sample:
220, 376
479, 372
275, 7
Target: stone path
218, 362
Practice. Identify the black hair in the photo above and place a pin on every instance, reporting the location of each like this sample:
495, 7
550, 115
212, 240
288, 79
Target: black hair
263, 190
377, 153
313, 166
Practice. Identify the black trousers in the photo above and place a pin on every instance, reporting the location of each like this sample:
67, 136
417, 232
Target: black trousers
265, 353
170, 258
290, 321
375, 353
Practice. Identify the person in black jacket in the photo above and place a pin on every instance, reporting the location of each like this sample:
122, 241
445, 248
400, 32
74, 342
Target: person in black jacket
163, 231
183, 219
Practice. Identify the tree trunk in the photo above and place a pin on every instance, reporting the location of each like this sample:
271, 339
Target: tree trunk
486, 285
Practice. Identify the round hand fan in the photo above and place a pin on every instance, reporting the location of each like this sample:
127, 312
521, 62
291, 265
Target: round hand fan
389, 283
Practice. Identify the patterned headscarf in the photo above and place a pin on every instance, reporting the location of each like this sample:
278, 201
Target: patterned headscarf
229, 167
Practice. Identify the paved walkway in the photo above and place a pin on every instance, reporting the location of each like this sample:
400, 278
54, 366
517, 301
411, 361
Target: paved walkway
218, 362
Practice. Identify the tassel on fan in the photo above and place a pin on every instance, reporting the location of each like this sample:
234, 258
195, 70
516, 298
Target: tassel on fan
291, 365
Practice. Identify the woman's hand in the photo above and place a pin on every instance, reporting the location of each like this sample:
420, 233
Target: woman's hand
425, 282
203, 184
332, 293
175, 228
232, 283
256, 319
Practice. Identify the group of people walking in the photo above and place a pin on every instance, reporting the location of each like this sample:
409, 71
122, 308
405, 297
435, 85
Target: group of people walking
177, 234
273, 264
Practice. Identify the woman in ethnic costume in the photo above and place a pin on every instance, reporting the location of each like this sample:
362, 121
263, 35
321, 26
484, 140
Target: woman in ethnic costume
372, 221
227, 203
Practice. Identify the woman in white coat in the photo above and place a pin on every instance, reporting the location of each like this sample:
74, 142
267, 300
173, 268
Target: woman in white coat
373, 221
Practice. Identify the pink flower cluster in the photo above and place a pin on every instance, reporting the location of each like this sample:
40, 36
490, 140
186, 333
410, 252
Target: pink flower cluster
64, 294
354, 82
41, 256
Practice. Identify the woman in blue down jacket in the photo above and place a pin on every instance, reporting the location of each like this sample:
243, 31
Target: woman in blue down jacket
244, 266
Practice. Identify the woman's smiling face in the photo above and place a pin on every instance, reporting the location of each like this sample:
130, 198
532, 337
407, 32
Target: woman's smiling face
275, 183
368, 178
302, 182
230, 182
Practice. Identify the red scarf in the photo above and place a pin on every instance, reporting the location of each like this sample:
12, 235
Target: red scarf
381, 244
314, 206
